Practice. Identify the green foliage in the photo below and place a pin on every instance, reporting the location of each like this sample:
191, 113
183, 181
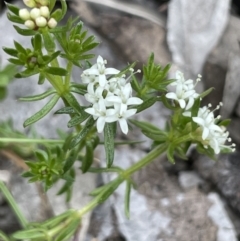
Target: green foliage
6, 76
76, 44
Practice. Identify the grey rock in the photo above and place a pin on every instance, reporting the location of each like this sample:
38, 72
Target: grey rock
224, 174
217, 212
194, 28
189, 179
232, 86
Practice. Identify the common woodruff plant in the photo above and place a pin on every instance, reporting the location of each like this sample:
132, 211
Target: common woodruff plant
113, 97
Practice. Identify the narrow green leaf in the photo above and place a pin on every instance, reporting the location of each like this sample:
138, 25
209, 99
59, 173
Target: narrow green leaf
41, 155
73, 102
146, 126
37, 42
44, 111
56, 71
49, 43
127, 199
78, 119
170, 154
83, 133
29, 234
10, 51
3, 237
146, 104
13, 8
20, 48
225, 122
67, 232
78, 90
38, 97
64, 8
66, 110
88, 41
27, 73
14, 18
16, 61
24, 32
27, 174
41, 78
109, 136
52, 4
52, 57
206, 92
84, 57
57, 14
69, 162
88, 159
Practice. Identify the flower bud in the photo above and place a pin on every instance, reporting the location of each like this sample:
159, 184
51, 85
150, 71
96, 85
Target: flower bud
41, 22
30, 24
35, 13
30, 3
24, 14
52, 23
43, 2
44, 10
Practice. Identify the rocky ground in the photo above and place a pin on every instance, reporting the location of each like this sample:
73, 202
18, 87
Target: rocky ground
194, 200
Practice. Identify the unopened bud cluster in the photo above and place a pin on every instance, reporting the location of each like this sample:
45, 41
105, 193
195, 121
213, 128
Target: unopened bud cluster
38, 16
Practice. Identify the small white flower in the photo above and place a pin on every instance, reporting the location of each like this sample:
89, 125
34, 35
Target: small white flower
185, 93
212, 135
122, 114
124, 98
103, 115
93, 95
101, 71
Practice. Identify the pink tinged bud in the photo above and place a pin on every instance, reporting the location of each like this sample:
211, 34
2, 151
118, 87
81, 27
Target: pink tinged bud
35, 13
44, 10
30, 24
41, 22
24, 14
52, 23
30, 3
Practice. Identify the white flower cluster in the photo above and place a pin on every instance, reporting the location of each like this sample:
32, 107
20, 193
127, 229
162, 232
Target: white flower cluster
185, 93
39, 16
111, 97
212, 135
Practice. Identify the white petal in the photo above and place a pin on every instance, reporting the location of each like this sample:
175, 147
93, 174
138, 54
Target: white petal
134, 101
205, 133
129, 113
171, 95
190, 103
100, 124
102, 80
111, 71
91, 72
182, 103
199, 121
114, 99
123, 125
91, 111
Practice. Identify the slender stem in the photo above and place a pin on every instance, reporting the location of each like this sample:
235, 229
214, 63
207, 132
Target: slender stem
13, 204
123, 176
56, 83
21, 140
145, 160
69, 70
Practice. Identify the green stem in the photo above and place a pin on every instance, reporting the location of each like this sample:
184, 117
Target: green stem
145, 160
56, 83
22, 140
13, 204
68, 77
123, 176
